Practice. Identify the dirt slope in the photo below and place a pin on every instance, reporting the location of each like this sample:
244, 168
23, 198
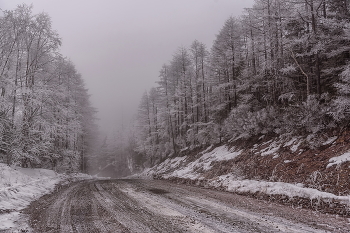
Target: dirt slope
272, 159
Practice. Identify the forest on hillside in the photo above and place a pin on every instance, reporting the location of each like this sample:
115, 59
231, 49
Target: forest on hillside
282, 68
46, 119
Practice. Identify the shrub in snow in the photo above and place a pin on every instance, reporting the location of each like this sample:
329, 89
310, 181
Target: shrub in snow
246, 123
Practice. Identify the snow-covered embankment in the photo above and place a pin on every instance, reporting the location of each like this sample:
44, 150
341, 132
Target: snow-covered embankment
199, 171
20, 186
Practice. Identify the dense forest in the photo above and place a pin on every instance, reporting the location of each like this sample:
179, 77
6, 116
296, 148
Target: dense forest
46, 119
282, 68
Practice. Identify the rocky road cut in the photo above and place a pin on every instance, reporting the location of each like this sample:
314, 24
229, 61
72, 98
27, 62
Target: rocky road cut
160, 206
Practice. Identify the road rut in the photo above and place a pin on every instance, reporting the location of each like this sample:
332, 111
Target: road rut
160, 206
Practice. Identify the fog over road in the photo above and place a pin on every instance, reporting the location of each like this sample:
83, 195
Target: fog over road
161, 206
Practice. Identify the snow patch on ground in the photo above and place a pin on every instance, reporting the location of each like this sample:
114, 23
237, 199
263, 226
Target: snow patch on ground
295, 147
274, 146
339, 160
222, 153
291, 142
188, 172
271, 149
290, 190
330, 140
208, 149
7, 220
192, 170
20, 186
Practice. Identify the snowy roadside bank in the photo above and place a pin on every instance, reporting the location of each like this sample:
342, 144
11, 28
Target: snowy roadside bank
294, 195
20, 186
218, 168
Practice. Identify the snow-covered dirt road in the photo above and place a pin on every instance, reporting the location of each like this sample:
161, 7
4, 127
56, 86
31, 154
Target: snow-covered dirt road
161, 206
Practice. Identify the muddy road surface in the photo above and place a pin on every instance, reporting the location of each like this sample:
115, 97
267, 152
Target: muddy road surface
159, 206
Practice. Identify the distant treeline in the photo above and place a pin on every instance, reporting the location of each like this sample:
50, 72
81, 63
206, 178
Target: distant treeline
46, 118
280, 68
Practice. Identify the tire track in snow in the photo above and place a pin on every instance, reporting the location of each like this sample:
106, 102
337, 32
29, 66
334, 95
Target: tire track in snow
159, 206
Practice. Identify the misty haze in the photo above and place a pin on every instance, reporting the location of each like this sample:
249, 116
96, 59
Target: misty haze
175, 116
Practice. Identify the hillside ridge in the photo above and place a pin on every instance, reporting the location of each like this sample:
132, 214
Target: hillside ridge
281, 169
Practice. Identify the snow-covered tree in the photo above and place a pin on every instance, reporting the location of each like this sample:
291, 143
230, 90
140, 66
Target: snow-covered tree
44, 104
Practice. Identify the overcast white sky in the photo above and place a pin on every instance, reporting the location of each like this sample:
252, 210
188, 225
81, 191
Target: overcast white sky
119, 46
